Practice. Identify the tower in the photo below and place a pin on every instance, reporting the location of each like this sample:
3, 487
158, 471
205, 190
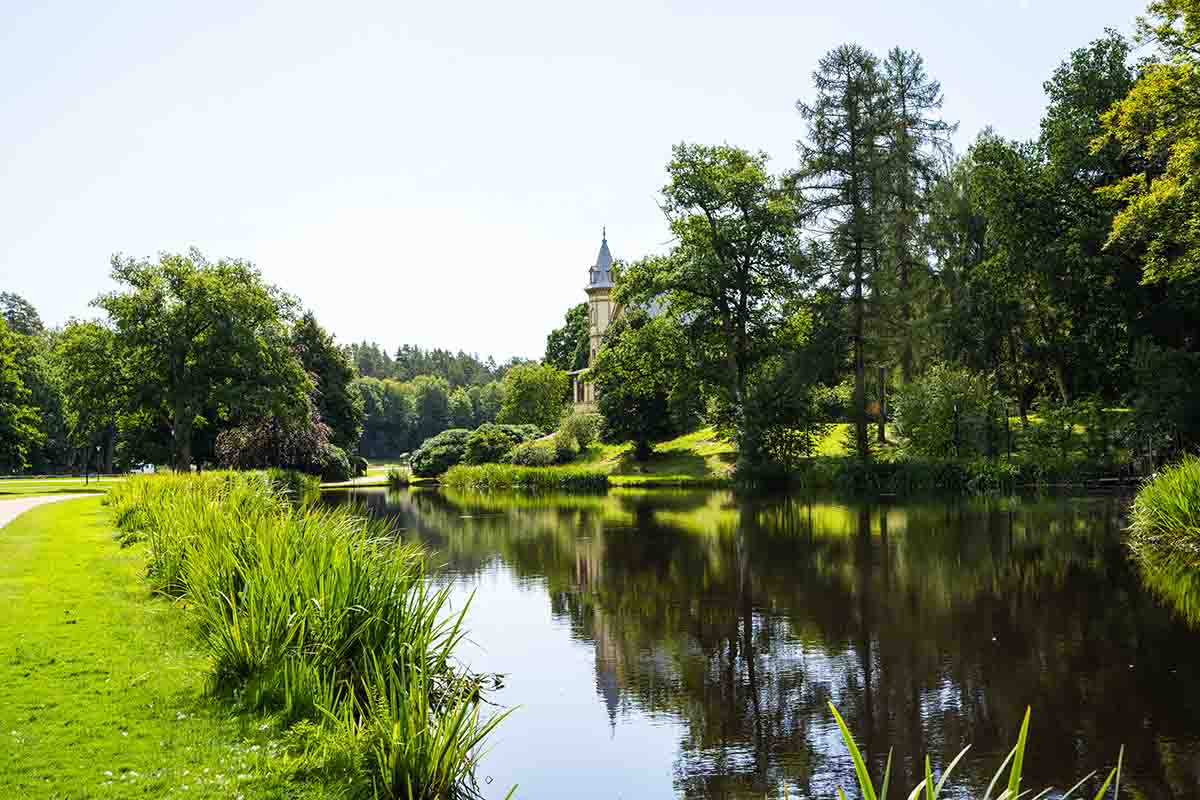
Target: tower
600, 313
599, 292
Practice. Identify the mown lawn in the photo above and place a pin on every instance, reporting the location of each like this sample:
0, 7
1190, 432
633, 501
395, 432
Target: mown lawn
101, 694
31, 487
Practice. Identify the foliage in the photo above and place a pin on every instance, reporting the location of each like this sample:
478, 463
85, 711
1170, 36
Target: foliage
534, 394
201, 342
440, 452
636, 372
538, 453
1166, 510
1157, 128
927, 790
462, 411
335, 464
950, 412
85, 353
543, 476
398, 477
494, 443
1166, 414
579, 428
331, 372
298, 487
317, 615
301, 444
20, 315
567, 347
18, 416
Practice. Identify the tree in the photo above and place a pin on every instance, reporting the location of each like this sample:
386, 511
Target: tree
917, 144
730, 271
635, 373
486, 400
93, 392
841, 166
331, 372
567, 347
462, 411
203, 342
534, 394
431, 398
18, 416
19, 313
1157, 126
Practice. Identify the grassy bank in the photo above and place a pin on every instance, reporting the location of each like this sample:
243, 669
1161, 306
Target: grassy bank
1166, 511
320, 620
99, 695
508, 476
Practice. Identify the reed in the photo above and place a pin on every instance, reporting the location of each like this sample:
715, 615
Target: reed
1009, 785
317, 616
1166, 510
399, 477
511, 476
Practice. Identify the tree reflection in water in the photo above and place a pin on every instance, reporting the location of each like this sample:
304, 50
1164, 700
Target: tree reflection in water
928, 625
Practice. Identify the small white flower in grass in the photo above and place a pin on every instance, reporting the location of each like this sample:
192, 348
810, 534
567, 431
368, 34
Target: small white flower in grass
108, 773
262, 727
124, 733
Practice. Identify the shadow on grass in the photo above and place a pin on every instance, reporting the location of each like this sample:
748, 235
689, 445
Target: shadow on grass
35, 492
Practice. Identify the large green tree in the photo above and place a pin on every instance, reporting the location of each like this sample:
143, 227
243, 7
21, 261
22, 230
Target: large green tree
86, 354
534, 394
567, 347
203, 343
841, 177
18, 416
1157, 126
729, 273
331, 371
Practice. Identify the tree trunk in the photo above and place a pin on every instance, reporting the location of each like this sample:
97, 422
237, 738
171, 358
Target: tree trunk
182, 435
860, 377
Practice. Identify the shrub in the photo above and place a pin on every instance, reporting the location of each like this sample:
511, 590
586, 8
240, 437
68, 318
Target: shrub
335, 464
493, 443
580, 429
271, 442
439, 453
539, 453
398, 477
949, 412
564, 449
361, 465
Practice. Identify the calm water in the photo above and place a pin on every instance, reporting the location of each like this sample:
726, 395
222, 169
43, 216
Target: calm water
685, 644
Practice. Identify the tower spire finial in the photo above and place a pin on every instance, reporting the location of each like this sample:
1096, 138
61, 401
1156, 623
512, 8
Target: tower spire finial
603, 231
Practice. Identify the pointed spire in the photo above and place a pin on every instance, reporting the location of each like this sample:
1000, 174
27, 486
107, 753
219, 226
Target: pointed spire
600, 275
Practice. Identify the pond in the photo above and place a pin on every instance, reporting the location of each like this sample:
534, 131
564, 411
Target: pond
686, 643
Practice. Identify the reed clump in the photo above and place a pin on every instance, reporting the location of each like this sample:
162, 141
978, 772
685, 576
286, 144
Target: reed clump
1166, 510
512, 476
321, 619
1001, 787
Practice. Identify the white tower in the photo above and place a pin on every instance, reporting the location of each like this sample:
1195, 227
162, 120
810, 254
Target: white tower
600, 314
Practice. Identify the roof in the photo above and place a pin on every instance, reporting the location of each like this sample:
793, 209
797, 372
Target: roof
600, 275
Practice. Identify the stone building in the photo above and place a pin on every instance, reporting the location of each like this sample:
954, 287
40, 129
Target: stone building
601, 312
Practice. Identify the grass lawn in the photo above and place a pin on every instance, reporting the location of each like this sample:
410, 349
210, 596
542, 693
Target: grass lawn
100, 693
697, 457
29, 487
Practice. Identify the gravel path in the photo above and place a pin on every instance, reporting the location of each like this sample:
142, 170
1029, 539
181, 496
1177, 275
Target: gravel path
11, 509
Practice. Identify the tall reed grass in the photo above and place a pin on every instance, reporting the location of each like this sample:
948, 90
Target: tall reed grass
1009, 785
317, 615
1166, 510
511, 476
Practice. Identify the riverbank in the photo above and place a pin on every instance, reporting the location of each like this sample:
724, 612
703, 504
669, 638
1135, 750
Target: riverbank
98, 694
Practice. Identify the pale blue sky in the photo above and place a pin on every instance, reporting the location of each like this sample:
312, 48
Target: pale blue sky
434, 172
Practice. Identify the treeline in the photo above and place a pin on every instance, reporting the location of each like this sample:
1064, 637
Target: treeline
1059, 272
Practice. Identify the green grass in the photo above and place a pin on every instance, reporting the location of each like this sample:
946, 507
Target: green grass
32, 487
1166, 511
99, 696
508, 476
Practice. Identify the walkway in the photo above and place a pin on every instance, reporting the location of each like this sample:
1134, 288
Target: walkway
11, 509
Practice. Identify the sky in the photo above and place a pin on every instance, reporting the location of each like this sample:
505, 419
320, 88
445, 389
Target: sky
435, 173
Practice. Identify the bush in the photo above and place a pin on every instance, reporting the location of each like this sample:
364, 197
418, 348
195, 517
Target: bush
539, 453
398, 477
580, 429
440, 453
564, 449
361, 465
949, 412
335, 464
493, 443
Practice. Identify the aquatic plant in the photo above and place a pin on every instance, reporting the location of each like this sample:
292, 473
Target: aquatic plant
1166, 510
399, 477
1010, 786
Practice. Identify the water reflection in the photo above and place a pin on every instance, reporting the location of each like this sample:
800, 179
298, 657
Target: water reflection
686, 643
